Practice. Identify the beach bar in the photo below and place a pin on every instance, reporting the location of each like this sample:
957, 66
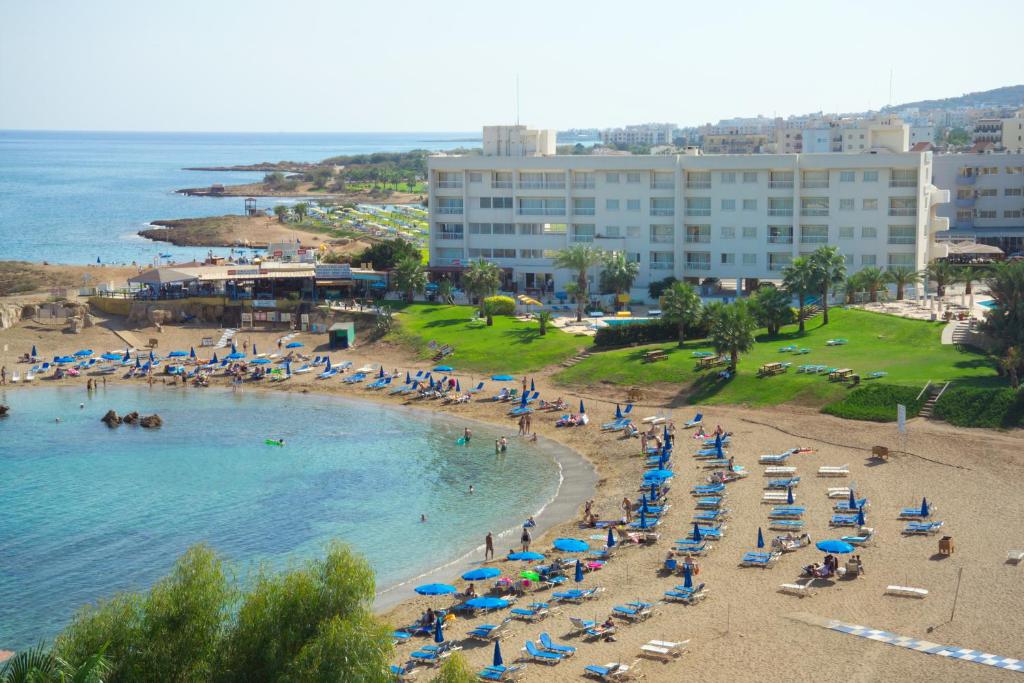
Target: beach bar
342, 335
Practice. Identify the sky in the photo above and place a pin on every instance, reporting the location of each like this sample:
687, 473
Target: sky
348, 65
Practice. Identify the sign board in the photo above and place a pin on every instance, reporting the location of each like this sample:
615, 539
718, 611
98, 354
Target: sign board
901, 417
243, 271
246, 318
264, 303
333, 271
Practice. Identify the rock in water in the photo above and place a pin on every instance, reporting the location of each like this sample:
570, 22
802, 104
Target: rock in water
4, 410
111, 419
131, 418
151, 421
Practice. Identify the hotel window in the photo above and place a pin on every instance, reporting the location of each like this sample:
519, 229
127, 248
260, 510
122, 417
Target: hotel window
728, 205
503, 228
698, 206
780, 206
661, 180
476, 177
814, 206
662, 234
663, 206
550, 253
698, 233
846, 233
750, 233
813, 234
633, 177
502, 180
1012, 213
868, 232
663, 260
632, 205
531, 253
447, 255
750, 205
633, 231
1014, 170
1012, 192
777, 260
480, 253
901, 260
846, 205
987, 192
902, 234
611, 204
849, 260
449, 179
449, 206
698, 260
869, 204
495, 202
583, 207
903, 177
541, 207
989, 170
728, 259
847, 176
529, 228
780, 180
611, 177
479, 228
555, 180
583, 180
583, 232
750, 259
554, 228
612, 231
451, 231
964, 215
750, 176
504, 253
728, 177
986, 214
780, 234
698, 180
903, 206
728, 232
868, 259
870, 176
815, 179
530, 180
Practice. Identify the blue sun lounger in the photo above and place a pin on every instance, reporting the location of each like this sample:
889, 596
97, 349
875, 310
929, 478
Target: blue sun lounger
686, 595
782, 483
714, 464
844, 505
520, 410
489, 632
616, 425
707, 489
575, 595
922, 528
477, 389
632, 613
327, 374
710, 502
355, 379
843, 520
551, 646
787, 511
710, 515
404, 388
697, 419
786, 524
379, 384
763, 560
915, 512
542, 656
708, 532
535, 611
862, 538
403, 673
709, 453
691, 547
500, 673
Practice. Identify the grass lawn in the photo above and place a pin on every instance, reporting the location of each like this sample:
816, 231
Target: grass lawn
507, 346
908, 350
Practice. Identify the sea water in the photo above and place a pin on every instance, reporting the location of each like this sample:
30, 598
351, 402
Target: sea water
73, 197
89, 511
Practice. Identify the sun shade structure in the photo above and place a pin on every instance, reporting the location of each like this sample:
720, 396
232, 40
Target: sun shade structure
834, 546
481, 574
570, 545
526, 557
435, 589
487, 603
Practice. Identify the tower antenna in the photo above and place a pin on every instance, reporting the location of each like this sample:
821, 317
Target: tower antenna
517, 99
890, 86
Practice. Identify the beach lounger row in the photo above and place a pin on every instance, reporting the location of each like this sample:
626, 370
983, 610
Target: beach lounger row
922, 528
837, 471
614, 671
687, 596
663, 650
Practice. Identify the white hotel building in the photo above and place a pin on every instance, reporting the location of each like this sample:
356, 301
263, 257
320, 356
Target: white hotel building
738, 218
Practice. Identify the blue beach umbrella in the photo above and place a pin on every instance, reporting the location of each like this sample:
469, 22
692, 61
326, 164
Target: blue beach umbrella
177, 354
235, 356
487, 603
611, 539
294, 345
34, 354
435, 589
526, 557
618, 412
83, 353
443, 368
497, 660
570, 545
860, 516
687, 576
111, 356
64, 359
503, 378
834, 546
582, 409
438, 631
192, 352
789, 495
658, 475
579, 572
924, 507
261, 361
696, 533
481, 574
760, 538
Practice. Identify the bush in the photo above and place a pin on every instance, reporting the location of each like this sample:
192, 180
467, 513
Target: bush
876, 402
657, 288
500, 305
977, 407
644, 333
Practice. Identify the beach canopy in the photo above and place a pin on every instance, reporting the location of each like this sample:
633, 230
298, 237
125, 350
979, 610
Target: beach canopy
659, 475
526, 557
83, 353
497, 660
435, 589
579, 572
294, 345
760, 538
487, 603
111, 356
503, 378
611, 538
443, 368
834, 546
570, 545
438, 631
481, 574
582, 408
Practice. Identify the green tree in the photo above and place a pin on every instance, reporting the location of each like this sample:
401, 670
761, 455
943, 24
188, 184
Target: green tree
481, 280
543, 319
445, 290
968, 275
681, 306
39, 665
386, 254
732, 331
579, 258
618, 274
410, 277
455, 670
799, 280
301, 210
771, 308
658, 287
281, 211
873, 279
942, 273
851, 286
958, 137
902, 277
829, 268
1004, 323
1012, 362
343, 650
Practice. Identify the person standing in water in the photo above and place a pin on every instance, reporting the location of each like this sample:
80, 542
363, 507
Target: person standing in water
467, 434
489, 547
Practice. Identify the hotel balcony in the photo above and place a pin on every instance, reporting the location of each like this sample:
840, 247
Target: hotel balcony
449, 236
698, 185
450, 210
663, 212
966, 179
903, 212
661, 185
540, 185
780, 185
697, 265
964, 224
501, 185
813, 212
449, 185
696, 239
939, 224
780, 239
965, 203
540, 212
938, 196
780, 212
583, 211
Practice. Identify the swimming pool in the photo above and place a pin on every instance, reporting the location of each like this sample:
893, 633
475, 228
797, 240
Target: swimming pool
991, 303
626, 321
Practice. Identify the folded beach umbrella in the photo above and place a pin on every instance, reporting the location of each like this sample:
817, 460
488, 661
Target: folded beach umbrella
853, 499
582, 409
719, 452
287, 367
328, 365
696, 533
458, 387
254, 351
860, 516
526, 557
138, 364
533, 387
643, 520
481, 574
924, 507
497, 660
408, 377
438, 631
570, 545
435, 589
234, 349
760, 538
618, 412
34, 354
718, 441
654, 491
192, 352
611, 539
294, 345
579, 572
687, 574
834, 546
151, 356
644, 510
214, 359
522, 401
789, 495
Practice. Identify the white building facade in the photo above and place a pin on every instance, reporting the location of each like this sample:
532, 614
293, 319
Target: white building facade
988, 197
731, 217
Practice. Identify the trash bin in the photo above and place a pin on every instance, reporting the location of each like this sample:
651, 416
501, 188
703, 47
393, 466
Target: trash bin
946, 546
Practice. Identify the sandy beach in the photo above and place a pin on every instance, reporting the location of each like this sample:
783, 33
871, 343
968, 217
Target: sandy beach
970, 477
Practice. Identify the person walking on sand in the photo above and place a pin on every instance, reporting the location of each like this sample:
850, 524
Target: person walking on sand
643, 443
279, 344
627, 507
525, 539
489, 547
3, 375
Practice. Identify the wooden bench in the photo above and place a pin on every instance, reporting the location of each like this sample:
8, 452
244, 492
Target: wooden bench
769, 369
653, 356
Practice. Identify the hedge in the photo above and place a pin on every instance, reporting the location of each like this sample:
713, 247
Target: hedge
978, 407
643, 333
500, 305
876, 402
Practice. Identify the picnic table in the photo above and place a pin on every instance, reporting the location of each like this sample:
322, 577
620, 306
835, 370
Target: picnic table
769, 369
710, 362
656, 355
840, 375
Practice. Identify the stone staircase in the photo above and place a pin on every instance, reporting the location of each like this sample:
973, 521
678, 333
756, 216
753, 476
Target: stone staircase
934, 392
576, 359
962, 332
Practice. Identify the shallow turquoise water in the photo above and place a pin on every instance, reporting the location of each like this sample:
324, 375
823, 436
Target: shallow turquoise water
88, 511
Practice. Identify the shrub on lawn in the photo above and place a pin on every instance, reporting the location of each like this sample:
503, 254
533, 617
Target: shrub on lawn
978, 407
875, 402
500, 305
643, 333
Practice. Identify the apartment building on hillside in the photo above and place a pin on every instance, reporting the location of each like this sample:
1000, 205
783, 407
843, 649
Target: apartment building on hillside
642, 134
988, 197
736, 217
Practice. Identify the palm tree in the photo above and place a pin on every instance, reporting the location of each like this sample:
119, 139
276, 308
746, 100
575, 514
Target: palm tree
942, 273
902, 277
969, 275
579, 258
37, 665
481, 279
445, 290
680, 305
301, 210
618, 275
771, 307
281, 211
873, 279
830, 269
798, 279
1012, 362
851, 286
732, 331
410, 278
1004, 322
543, 318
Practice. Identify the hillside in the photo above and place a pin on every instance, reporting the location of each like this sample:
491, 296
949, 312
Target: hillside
1008, 96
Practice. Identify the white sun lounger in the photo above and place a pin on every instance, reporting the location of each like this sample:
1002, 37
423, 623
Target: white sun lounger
1015, 556
654, 420
840, 471
799, 589
663, 649
15, 377
907, 591
842, 492
778, 470
776, 497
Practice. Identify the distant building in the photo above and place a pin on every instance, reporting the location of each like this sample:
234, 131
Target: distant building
518, 141
988, 197
642, 134
922, 134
